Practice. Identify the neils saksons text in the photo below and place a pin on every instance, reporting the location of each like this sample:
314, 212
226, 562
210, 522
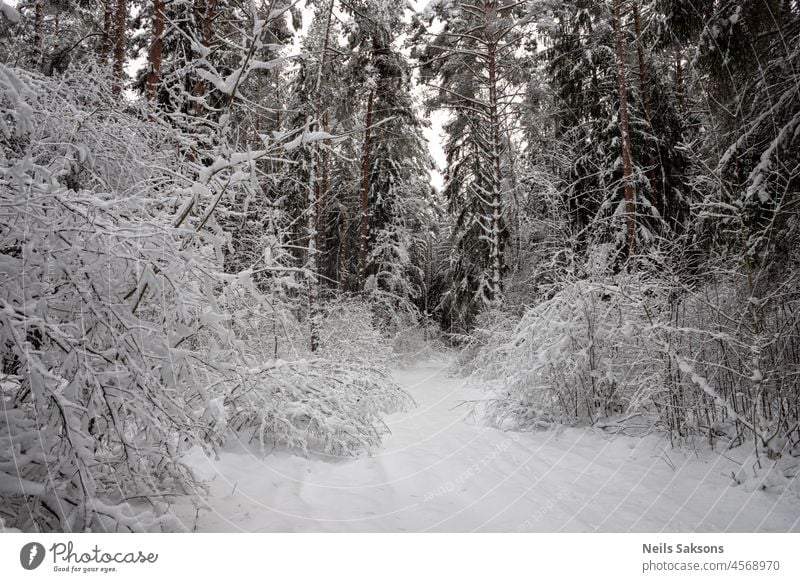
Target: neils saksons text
664, 548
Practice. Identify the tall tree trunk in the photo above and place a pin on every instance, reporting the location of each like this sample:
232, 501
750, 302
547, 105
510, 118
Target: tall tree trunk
38, 43
342, 251
120, 22
322, 202
108, 16
651, 162
154, 55
495, 251
364, 219
313, 124
624, 125
637, 27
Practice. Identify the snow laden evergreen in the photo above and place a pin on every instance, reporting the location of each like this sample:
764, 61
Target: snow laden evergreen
704, 344
396, 203
470, 66
582, 64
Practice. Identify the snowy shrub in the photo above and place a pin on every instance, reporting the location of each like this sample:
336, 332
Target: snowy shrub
492, 329
100, 389
315, 405
575, 358
735, 348
348, 334
330, 401
417, 341
638, 352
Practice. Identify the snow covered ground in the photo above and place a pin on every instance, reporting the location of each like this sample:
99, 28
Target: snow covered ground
441, 470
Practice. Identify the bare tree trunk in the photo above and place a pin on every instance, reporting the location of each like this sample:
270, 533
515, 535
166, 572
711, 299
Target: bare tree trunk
364, 225
627, 165
313, 188
651, 162
108, 15
342, 251
322, 199
119, 44
637, 27
496, 177
38, 43
154, 55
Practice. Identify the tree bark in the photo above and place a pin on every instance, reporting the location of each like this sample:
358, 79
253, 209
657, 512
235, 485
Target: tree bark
637, 27
154, 55
496, 177
643, 90
624, 124
679, 82
120, 22
108, 16
313, 124
322, 199
38, 43
364, 220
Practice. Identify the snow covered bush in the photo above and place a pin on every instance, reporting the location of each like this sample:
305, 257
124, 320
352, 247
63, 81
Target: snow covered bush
735, 348
577, 357
348, 334
314, 405
330, 401
492, 329
640, 352
100, 296
418, 340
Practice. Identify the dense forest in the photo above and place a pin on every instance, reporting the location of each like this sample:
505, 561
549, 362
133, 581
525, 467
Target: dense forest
217, 217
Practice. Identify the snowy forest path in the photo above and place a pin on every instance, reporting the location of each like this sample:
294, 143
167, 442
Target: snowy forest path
441, 469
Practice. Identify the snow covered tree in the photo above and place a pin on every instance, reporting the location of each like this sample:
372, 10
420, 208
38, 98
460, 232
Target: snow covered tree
470, 65
748, 50
394, 188
49, 35
627, 186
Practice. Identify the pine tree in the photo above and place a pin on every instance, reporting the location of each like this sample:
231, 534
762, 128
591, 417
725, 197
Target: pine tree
471, 66
626, 173
51, 35
394, 185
